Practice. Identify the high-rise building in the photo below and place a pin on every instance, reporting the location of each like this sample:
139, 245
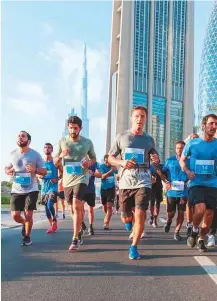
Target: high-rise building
208, 70
152, 65
83, 110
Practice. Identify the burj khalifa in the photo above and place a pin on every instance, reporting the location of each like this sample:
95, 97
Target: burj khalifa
84, 101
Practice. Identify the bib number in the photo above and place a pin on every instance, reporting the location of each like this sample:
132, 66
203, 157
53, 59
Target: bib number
135, 154
204, 167
178, 186
73, 168
23, 178
110, 180
48, 175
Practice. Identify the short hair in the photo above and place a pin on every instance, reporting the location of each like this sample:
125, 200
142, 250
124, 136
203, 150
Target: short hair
140, 108
75, 120
48, 143
27, 134
106, 157
194, 134
205, 118
180, 142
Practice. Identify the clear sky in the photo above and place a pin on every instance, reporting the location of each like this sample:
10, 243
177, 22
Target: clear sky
42, 55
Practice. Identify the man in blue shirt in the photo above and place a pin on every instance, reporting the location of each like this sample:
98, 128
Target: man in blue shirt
108, 192
203, 179
49, 187
177, 191
90, 195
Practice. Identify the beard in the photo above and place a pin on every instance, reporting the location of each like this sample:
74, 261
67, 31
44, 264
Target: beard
22, 144
73, 135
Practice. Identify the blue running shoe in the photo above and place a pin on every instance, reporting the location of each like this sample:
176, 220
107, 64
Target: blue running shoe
128, 226
133, 253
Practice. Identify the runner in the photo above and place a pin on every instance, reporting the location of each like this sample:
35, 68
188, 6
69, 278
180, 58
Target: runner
61, 199
49, 187
77, 153
203, 180
189, 209
177, 190
156, 197
136, 149
24, 164
107, 189
90, 196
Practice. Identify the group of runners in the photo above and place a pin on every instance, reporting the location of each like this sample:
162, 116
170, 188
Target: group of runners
131, 174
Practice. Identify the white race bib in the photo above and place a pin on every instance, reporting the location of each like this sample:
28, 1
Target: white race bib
204, 167
178, 185
73, 168
23, 178
110, 180
134, 153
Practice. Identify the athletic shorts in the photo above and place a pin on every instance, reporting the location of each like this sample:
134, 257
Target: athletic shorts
48, 196
61, 195
203, 194
21, 202
74, 192
130, 198
108, 195
176, 203
90, 199
156, 197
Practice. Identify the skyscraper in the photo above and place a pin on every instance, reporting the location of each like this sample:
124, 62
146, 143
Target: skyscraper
208, 69
152, 65
84, 102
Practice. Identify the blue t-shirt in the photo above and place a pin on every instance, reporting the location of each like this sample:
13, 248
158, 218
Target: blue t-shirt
109, 182
91, 186
52, 173
176, 177
203, 161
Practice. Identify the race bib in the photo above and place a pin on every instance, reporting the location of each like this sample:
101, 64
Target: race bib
204, 167
48, 175
73, 168
23, 178
110, 180
134, 154
178, 185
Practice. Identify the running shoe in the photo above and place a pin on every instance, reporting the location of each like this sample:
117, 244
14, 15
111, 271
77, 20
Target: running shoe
201, 246
128, 226
91, 231
151, 220
50, 229
74, 245
64, 216
80, 240
143, 235
211, 241
54, 226
131, 235
167, 226
83, 226
105, 227
155, 225
133, 253
192, 239
26, 241
177, 236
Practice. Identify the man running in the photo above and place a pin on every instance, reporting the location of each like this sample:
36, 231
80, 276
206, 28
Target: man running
49, 187
156, 197
24, 164
177, 190
108, 190
136, 149
90, 196
77, 153
203, 180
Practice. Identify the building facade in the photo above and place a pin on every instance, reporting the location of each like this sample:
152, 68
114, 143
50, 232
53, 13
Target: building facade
208, 70
152, 65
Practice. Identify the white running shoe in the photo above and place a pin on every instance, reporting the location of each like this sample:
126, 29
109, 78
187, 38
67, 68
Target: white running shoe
143, 234
211, 241
131, 235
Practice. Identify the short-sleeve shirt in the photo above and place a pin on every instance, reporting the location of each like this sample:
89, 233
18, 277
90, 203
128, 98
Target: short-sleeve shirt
138, 147
24, 182
91, 186
108, 182
73, 173
203, 161
176, 177
52, 173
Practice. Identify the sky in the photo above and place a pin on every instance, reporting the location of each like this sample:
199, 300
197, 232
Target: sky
42, 56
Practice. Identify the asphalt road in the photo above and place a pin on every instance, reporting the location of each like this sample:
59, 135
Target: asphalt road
101, 270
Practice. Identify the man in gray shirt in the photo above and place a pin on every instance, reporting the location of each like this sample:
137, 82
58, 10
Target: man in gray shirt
135, 149
24, 164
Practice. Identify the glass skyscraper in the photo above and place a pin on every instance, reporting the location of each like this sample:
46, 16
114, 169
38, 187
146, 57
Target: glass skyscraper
151, 57
208, 70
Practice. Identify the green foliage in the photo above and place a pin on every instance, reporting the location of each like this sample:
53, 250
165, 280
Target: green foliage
6, 184
5, 199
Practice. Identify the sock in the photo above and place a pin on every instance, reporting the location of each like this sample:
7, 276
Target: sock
195, 229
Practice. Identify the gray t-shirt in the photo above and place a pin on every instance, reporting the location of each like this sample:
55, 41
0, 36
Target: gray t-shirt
73, 173
24, 182
128, 146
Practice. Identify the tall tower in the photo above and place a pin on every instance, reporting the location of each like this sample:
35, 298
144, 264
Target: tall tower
151, 65
85, 120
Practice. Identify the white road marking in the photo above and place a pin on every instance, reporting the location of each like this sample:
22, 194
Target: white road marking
208, 266
163, 220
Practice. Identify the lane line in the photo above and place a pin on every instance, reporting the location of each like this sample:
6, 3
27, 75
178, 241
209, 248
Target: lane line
208, 266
